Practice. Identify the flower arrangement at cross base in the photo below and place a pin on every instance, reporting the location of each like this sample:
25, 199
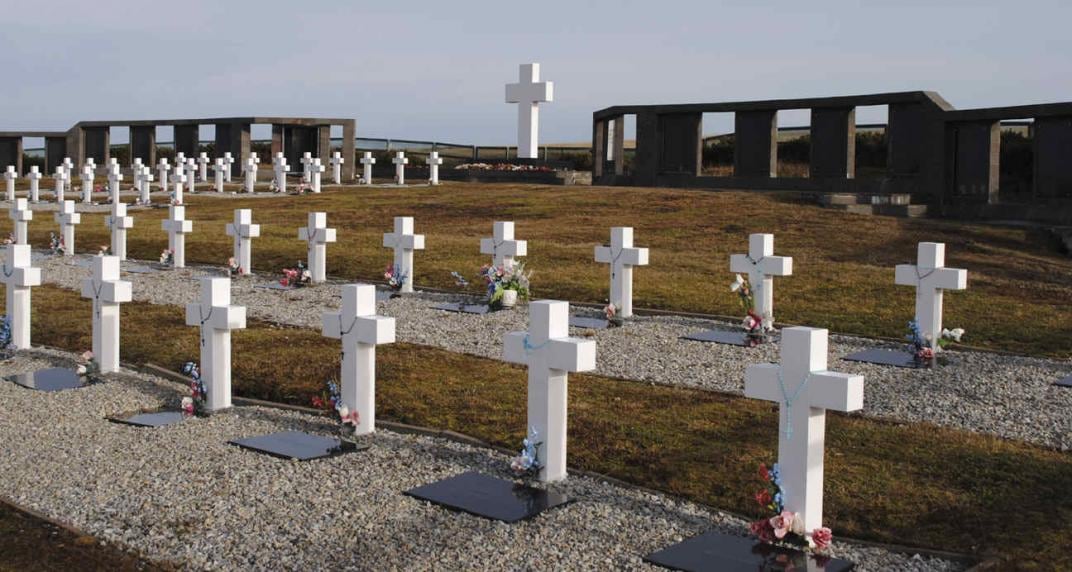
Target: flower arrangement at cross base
396, 279
167, 256
296, 277
56, 244
757, 328
89, 368
503, 167
301, 189
172, 201
11, 238
234, 269
105, 250
785, 527
501, 280
527, 463
197, 402
613, 314
330, 401
6, 346
921, 344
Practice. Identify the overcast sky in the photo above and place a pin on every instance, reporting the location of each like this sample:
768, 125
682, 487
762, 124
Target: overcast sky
436, 70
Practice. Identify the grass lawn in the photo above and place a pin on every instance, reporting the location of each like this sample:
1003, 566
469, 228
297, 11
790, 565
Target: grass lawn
1019, 295
910, 484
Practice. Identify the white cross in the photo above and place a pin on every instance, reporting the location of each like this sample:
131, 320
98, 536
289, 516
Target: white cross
180, 161
162, 168
501, 246
179, 180
528, 94
251, 172
22, 215
762, 266
177, 228
930, 277
87, 183
404, 242
367, 161
68, 167
400, 162
550, 354
114, 176
191, 179
434, 161
622, 257
216, 317
137, 164
315, 170
19, 276
336, 167
91, 164
229, 160
360, 330
119, 222
35, 190
805, 389
306, 161
9, 177
243, 230
67, 219
279, 165
218, 169
317, 235
145, 185
107, 291
60, 178
202, 165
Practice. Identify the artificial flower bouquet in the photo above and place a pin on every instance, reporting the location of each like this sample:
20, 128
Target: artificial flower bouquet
613, 315
234, 269
296, 277
757, 328
500, 280
785, 527
89, 368
924, 347
331, 403
395, 277
197, 402
56, 244
527, 463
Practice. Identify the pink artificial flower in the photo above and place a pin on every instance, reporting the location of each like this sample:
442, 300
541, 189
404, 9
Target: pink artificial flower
187, 406
782, 523
762, 530
763, 472
822, 537
763, 497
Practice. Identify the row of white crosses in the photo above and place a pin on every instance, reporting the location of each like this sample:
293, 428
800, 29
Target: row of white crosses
399, 161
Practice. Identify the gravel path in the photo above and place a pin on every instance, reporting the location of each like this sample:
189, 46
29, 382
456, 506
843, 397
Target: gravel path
180, 493
1008, 396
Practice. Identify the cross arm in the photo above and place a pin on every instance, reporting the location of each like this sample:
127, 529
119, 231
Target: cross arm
635, 256
68, 218
514, 348
739, 263
836, 391
331, 325
761, 382
905, 275
571, 354
777, 265
25, 276
951, 278
375, 330
227, 318
116, 291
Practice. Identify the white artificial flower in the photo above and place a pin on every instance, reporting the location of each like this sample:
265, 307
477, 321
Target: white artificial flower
81, 370
956, 333
344, 412
737, 283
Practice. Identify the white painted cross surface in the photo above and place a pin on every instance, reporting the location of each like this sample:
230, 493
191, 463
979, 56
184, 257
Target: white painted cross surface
18, 277
119, 223
404, 242
218, 169
114, 177
251, 172
528, 94
306, 162
317, 235
622, 256
68, 167
216, 318
315, 171
550, 355
146, 185
805, 390
244, 231
67, 219
501, 246
60, 179
162, 169
179, 181
228, 161
107, 292
279, 165
35, 178
400, 162
177, 228
434, 161
191, 179
202, 166
21, 214
930, 277
762, 266
9, 178
87, 183
367, 161
336, 162
360, 330
137, 165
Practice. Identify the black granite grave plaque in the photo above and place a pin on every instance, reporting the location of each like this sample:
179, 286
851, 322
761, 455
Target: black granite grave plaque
588, 323
464, 308
1066, 382
297, 445
274, 286
52, 379
138, 269
152, 419
725, 553
489, 497
896, 358
384, 295
720, 337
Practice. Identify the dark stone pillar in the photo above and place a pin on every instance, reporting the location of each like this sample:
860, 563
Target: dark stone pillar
187, 140
349, 132
680, 143
143, 144
618, 145
646, 157
323, 146
599, 152
904, 138
97, 144
1053, 157
976, 164
297, 140
755, 152
234, 138
11, 153
277, 141
55, 151
833, 143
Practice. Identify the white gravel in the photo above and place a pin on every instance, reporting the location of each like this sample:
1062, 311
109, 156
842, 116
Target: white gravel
1008, 396
181, 494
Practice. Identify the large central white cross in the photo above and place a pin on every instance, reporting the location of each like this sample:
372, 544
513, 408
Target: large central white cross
550, 355
60, 179
930, 277
202, 166
119, 223
219, 169
317, 235
244, 231
315, 171
360, 330
404, 242
762, 266
35, 181
67, 219
622, 257
162, 169
400, 162
216, 317
251, 172
336, 167
9, 178
279, 165
367, 161
805, 390
107, 291
18, 277
501, 246
434, 161
177, 228
21, 214
528, 94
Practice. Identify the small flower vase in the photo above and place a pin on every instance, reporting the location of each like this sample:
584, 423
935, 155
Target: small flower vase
509, 298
